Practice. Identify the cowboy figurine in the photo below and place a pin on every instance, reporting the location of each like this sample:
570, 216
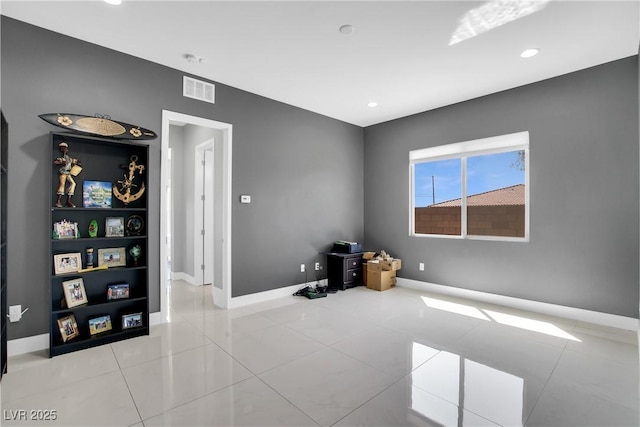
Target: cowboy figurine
65, 175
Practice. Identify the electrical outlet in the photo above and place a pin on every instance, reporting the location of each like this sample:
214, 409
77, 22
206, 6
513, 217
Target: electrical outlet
317, 266
421, 266
15, 313
301, 268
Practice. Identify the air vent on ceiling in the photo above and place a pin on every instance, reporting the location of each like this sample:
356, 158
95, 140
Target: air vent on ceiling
192, 88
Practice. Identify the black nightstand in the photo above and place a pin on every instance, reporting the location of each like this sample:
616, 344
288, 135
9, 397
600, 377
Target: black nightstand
344, 270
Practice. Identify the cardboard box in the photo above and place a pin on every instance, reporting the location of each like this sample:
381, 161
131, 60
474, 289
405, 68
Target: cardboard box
368, 255
364, 272
374, 266
381, 280
391, 264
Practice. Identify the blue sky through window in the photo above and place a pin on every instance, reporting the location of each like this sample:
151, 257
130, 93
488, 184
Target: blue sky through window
484, 173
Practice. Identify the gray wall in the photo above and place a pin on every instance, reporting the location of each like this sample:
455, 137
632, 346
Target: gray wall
176, 140
584, 192
303, 170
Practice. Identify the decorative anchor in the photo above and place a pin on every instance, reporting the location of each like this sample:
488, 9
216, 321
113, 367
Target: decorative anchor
124, 194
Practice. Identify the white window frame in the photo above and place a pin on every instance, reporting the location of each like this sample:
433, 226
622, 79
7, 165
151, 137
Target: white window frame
462, 150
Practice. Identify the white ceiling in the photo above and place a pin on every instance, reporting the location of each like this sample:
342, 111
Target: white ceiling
398, 56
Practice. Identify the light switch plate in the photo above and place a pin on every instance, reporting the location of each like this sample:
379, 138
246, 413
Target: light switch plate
245, 199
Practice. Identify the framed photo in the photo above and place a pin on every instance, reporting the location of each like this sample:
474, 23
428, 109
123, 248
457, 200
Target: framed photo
74, 292
96, 194
133, 320
65, 230
67, 263
100, 324
68, 327
112, 257
118, 291
114, 226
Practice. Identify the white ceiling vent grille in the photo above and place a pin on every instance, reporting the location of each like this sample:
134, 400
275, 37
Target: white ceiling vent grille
196, 89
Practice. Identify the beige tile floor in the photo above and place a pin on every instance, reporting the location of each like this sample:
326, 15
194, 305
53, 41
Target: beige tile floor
358, 357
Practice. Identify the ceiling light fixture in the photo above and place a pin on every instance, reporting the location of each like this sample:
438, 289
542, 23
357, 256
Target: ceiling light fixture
528, 53
347, 29
372, 104
114, 2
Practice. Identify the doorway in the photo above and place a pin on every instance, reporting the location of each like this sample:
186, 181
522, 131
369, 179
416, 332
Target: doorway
220, 168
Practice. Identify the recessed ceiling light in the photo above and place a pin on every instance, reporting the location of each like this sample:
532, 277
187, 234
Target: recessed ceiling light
193, 59
116, 2
372, 104
347, 29
529, 53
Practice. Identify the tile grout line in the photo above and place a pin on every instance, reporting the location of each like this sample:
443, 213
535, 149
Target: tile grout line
124, 378
546, 384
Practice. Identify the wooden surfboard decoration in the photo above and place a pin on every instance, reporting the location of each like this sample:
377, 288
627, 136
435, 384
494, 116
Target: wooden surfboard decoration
98, 125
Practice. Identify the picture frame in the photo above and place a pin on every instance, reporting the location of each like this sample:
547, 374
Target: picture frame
65, 230
74, 292
67, 263
99, 325
117, 291
68, 327
112, 257
132, 320
97, 194
114, 226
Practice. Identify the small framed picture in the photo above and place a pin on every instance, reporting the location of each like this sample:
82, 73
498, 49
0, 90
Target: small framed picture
133, 320
112, 257
74, 292
96, 194
114, 226
67, 263
100, 324
68, 327
118, 291
65, 230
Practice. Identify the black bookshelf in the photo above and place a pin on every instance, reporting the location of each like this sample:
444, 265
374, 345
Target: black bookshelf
108, 161
3, 244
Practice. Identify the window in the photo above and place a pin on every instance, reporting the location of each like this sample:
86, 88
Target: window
474, 189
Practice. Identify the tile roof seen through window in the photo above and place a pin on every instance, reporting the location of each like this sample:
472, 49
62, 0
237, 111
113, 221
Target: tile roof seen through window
507, 196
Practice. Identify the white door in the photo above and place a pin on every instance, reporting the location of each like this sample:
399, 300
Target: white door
207, 218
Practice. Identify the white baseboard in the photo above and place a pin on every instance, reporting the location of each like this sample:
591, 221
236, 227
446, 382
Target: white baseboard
156, 319
244, 300
184, 277
27, 345
605, 319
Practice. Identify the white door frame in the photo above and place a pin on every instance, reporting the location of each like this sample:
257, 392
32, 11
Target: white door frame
221, 295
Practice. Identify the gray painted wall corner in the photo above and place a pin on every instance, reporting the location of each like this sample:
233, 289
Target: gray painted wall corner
583, 250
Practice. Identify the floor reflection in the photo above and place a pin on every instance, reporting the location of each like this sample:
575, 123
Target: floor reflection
483, 390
